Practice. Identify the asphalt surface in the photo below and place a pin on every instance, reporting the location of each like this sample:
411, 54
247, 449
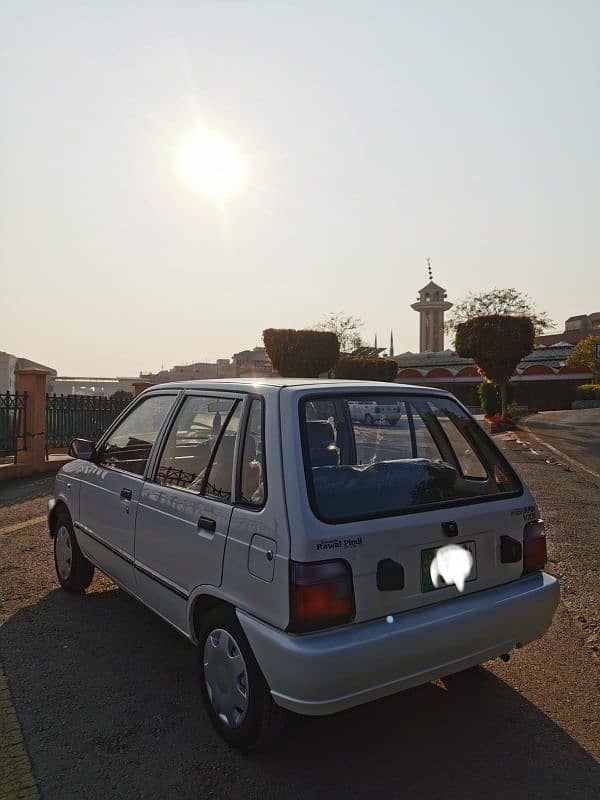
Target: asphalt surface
574, 433
109, 704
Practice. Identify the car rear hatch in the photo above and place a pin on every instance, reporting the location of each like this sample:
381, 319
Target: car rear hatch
391, 558
385, 500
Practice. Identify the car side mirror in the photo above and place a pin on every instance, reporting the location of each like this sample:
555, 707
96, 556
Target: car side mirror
83, 449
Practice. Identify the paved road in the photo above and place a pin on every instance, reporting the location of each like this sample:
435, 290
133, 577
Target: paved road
575, 433
109, 705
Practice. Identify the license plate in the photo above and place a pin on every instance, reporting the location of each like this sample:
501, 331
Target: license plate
427, 557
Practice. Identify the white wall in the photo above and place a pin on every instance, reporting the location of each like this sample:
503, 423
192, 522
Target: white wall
8, 362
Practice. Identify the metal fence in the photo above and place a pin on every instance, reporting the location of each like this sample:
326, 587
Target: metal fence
13, 422
71, 415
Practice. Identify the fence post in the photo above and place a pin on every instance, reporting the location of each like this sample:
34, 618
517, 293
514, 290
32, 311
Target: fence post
139, 386
33, 381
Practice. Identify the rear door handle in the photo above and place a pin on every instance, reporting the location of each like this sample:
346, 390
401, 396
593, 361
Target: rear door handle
126, 494
207, 524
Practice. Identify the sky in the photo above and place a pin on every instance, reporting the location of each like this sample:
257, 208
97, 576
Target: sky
365, 138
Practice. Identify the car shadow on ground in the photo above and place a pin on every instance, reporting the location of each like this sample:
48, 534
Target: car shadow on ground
108, 699
19, 490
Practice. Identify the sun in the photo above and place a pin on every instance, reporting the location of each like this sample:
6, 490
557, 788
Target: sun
210, 164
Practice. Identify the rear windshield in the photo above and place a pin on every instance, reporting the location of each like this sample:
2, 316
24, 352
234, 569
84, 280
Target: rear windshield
384, 455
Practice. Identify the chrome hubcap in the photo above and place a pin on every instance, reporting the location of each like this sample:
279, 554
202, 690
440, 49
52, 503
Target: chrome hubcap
64, 552
226, 677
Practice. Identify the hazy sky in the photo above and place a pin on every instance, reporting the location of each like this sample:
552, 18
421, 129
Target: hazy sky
370, 136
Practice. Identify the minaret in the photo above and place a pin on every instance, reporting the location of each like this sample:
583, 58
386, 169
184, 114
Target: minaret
391, 344
431, 305
375, 341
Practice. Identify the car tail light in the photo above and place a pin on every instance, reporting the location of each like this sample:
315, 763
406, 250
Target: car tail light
534, 546
321, 595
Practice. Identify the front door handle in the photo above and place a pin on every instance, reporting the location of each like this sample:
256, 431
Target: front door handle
207, 524
126, 494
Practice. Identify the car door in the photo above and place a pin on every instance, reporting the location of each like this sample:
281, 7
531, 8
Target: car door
111, 487
185, 505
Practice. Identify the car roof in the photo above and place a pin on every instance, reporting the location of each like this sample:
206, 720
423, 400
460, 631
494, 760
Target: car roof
295, 384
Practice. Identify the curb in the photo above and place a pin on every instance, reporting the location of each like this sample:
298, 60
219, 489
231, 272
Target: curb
16, 775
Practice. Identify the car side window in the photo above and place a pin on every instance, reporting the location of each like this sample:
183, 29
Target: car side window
253, 478
452, 421
219, 480
191, 441
128, 446
424, 441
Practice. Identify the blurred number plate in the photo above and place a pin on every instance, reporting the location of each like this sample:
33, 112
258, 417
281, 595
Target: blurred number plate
427, 557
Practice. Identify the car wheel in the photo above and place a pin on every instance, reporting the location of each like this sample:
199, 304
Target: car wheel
234, 690
74, 571
368, 419
393, 421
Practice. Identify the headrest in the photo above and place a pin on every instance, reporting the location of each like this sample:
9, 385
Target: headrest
320, 433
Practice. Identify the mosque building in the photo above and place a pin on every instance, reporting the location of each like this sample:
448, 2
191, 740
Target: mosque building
542, 381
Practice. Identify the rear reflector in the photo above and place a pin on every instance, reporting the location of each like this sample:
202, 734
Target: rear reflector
321, 595
534, 546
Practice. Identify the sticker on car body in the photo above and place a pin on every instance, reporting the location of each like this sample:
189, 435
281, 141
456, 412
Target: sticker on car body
349, 542
529, 513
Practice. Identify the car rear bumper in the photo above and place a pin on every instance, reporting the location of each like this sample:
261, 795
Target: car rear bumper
323, 673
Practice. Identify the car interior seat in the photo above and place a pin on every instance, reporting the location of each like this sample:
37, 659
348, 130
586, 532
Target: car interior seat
321, 444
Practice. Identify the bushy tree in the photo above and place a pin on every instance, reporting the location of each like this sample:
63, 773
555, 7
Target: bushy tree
489, 397
366, 368
301, 354
122, 396
346, 328
496, 343
497, 301
583, 355
588, 391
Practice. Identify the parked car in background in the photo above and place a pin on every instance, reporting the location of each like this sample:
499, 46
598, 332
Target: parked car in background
372, 411
295, 548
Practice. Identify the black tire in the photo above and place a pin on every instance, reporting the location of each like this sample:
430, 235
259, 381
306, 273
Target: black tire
80, 572
368, 419
263, 720
393, 421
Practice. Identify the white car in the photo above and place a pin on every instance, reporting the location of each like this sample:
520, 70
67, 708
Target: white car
370, 411
298, 550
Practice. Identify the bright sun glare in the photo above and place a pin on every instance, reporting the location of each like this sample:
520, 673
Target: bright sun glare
210, 164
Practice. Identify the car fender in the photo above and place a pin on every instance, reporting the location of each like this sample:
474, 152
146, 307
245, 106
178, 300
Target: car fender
66, 492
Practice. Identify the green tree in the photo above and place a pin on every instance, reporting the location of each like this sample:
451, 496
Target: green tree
497, 301
496, 343
583, 355
366, 368
489, 397
122, 396
301, 354
346, 328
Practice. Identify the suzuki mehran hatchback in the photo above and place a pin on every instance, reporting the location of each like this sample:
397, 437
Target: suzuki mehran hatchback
301, 550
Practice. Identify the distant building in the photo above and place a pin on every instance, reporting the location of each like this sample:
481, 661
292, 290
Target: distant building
542, 379
9, 363
222, 368
431, 305
576, 329
90, 386
252, 363
246, 363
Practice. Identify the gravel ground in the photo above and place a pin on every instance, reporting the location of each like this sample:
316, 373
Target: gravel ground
109, 706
